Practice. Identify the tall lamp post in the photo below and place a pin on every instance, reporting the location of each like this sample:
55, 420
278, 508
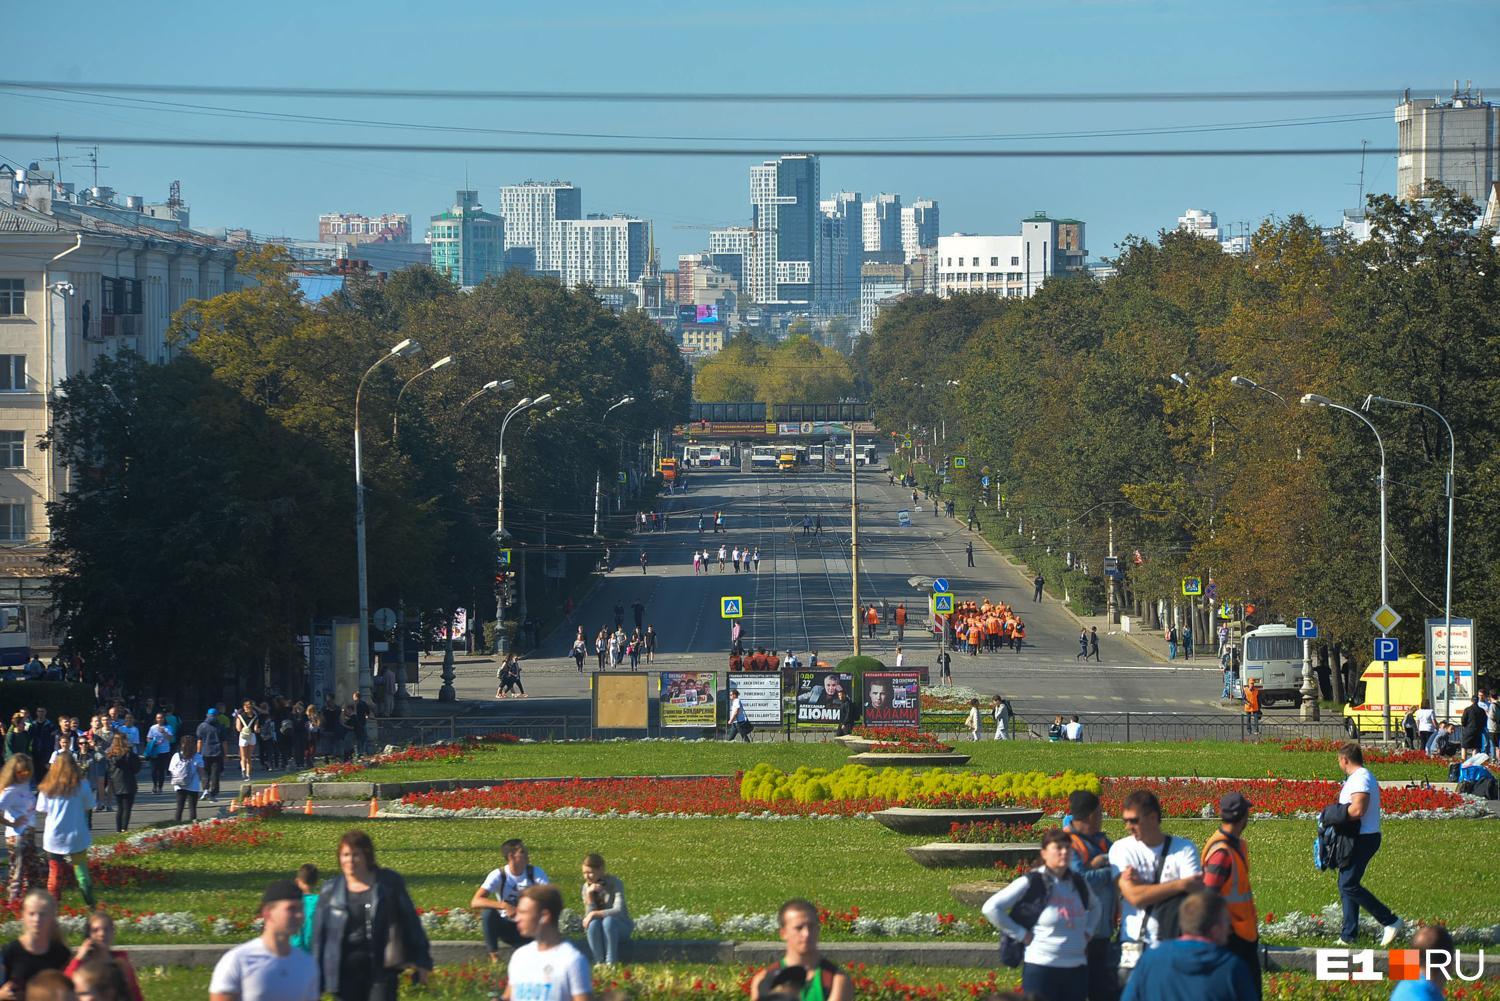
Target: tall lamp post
1314, 400
396, 410
502, 642
1448, 594
401, 350
598, 473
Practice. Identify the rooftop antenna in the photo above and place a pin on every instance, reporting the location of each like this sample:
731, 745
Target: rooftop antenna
1362, 144
90, 157
174, 195
57, 158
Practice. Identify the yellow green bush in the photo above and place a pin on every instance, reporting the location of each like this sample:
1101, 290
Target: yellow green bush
766, 783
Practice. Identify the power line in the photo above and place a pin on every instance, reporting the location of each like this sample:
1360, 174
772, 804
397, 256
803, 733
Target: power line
700, 151
694, 97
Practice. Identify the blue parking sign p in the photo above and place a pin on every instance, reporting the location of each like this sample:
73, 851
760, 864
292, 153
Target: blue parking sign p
1306, 630
1387, 648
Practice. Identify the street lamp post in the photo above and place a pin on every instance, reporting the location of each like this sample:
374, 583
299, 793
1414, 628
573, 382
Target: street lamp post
401, 350
598, 473
1314, 400
502, 642
1448, 594
396, 410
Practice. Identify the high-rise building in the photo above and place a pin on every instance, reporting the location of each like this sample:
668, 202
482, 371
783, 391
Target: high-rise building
600, 251
919, 228
1010, 265
731, 249
880, 283
351, 228
842, 229
1200, 223
882, 230
466, 241
784, 214
529, 210
1454, 141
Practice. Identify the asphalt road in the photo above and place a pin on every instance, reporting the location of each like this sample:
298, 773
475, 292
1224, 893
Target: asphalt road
800, 598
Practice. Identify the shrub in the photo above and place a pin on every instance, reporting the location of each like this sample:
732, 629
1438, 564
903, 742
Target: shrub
766, 783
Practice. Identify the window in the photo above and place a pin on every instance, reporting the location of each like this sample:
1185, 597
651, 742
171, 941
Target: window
12, 449
12, 522
12, 297
976, 262
13, 373
1015, 261
122, 296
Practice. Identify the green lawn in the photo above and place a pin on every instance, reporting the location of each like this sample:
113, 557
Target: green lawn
1227, 759
726, 867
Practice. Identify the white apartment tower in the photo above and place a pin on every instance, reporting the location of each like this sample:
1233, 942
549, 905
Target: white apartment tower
882, 230
1454, 141
603, 252
919, 228
529, 210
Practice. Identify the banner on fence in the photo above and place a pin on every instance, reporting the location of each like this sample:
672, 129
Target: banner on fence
760, 695
892, 698
620, 700
819, 694
688, 698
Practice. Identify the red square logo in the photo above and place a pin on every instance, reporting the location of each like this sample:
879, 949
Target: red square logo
1404, 964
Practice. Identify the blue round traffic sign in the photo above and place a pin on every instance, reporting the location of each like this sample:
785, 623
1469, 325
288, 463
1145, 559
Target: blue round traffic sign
941, 584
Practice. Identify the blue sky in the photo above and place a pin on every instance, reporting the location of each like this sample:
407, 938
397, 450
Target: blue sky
772, 45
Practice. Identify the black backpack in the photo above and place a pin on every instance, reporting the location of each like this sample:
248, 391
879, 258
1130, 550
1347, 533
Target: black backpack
1168, 923
1028, 910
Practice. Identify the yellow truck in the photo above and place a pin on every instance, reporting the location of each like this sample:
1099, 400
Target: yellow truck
1408, 690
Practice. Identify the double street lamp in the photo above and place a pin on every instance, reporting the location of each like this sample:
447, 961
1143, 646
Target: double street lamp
598, 485
396, 410
502, 641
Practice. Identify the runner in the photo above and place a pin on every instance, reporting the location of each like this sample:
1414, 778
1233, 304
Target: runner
802, 972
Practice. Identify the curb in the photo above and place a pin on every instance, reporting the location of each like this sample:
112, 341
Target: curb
974, 955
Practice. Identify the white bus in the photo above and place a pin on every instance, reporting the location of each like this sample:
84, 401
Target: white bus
15, 636
865, 455
1273, 657
703, 455
763, 458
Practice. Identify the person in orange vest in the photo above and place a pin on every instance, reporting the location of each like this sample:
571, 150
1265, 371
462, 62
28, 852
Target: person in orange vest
1002, 633
1018, 635
900, 615
872, 619
1226, 871
1252, 705
975, 638
992, 632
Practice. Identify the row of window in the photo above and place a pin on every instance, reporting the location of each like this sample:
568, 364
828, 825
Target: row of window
993, 277
1015, 262
122, 296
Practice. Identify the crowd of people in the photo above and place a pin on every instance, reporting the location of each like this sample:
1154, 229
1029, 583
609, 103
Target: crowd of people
982, 627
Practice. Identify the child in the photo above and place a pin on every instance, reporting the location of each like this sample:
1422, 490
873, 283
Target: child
307, 881
972, 721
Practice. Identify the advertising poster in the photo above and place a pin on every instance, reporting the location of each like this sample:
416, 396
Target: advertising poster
1454, 692
819, 694
688, 698
892, 698
760, 694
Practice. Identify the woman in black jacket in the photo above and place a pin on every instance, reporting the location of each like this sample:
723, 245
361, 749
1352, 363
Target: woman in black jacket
366, 929
124, 767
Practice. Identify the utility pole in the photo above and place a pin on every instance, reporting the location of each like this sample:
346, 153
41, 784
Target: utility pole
854, 534
1109, 582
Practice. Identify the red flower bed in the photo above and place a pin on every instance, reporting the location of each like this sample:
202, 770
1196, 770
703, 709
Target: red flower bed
984, 832
910, 747
455, 751
637, 794
1272, 797
1373, 756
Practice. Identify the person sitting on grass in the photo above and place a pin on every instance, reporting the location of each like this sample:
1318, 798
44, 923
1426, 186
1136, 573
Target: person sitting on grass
606, 922
802, 968
500, 894
99, 961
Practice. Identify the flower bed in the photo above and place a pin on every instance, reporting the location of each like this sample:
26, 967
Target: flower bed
989, 832
767, 784
451, 751
900, 740
1282, 798
1373, 755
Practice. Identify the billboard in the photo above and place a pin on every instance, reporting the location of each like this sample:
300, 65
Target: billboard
701, 315
619, 701
892, 698
1462, 685
688, 698
760, 695
819, 694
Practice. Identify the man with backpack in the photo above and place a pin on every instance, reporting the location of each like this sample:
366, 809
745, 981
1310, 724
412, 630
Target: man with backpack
1091, 861
1226, 871
500, 893
802, 972
1038, 915
1156, 871
1194, 966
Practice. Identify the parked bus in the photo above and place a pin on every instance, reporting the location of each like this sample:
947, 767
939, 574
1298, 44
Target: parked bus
15, 636
703, 455
865, 455
763, 458
1272, 655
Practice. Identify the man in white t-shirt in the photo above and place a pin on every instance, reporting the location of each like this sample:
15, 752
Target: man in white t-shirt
268, 968
1426, 721
500, 893
548, 969
1361, 793
1073, 730
1136, 858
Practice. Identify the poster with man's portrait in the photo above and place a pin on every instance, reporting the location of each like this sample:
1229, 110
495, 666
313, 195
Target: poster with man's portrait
819, 695
892, 698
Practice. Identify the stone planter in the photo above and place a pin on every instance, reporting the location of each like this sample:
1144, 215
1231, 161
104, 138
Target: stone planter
975, 894
912, 820
901, 760
946, 854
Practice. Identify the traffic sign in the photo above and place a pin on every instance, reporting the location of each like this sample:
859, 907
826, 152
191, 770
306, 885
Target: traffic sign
621, 477
960, 462
1112, 568
984, 481
731, 608
1211, 592
384, 619
1192, 587
1306, 630
505, 557
903, 518
1226, 612
940, 584
1385, 618
942, 603
1387, 648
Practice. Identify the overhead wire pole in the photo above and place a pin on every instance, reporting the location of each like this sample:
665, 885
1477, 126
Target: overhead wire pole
854, 533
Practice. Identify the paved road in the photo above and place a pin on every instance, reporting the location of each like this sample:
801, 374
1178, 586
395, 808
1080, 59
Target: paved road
801, 595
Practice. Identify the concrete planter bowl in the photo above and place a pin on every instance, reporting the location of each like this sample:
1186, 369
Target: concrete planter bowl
946, 855
915, 820
903, 760
975, 894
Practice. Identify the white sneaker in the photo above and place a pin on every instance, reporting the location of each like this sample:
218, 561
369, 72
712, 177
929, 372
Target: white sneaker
1389, 933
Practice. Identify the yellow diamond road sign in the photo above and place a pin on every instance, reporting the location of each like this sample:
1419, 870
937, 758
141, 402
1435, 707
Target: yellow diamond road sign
1385, 618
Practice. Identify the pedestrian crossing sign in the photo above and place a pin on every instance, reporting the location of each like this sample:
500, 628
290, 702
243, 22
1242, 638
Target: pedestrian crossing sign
505, 557
960, 462
621, 477
1192, 587
731, 608
942, 603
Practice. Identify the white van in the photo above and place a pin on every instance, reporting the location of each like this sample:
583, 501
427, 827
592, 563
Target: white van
1272, 655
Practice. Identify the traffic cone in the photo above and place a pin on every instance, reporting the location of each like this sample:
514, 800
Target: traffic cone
308, 809
374, 805
234, 806
275, 793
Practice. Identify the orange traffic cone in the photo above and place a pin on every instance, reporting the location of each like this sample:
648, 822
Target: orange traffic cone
234, 806
374, 805
308, 809
275, 793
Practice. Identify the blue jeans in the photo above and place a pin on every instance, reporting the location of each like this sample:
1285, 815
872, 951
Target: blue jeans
605, 935
1171, 650
1354, 896
1055, 983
